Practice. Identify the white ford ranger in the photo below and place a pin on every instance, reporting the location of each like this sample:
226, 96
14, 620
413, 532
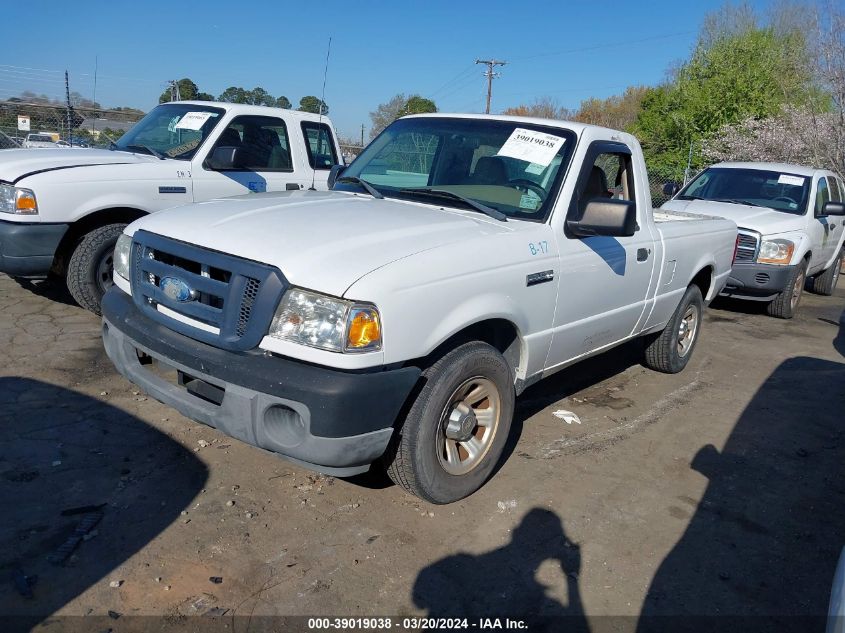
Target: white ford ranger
61, 211
790, 228
458, 259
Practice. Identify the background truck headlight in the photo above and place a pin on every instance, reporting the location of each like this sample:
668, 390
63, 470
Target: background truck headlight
775, 252
327, 323
122, 251
17, 201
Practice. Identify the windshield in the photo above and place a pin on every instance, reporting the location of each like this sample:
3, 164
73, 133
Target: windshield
174, 130
514, 168
41, 138
756, 187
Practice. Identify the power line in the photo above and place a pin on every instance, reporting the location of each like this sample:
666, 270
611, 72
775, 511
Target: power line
625, 43
490, 63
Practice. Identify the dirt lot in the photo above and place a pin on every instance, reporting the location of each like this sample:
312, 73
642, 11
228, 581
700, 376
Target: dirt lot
715, 492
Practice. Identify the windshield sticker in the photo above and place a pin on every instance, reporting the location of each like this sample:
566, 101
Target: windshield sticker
193, 120
786, 179
531, 146
535, 169
529, 201
171, 127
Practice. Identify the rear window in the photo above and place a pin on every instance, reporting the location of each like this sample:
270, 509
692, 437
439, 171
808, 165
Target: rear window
41, 138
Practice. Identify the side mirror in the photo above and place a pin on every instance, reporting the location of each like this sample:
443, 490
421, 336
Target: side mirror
615, 218
671, 188
334, 174
225, 158
833, 208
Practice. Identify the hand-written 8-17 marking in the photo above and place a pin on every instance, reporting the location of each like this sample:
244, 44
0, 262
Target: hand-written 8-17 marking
538, 248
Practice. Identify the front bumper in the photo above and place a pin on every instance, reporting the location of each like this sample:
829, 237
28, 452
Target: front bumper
28, 249
757, 281
333, 421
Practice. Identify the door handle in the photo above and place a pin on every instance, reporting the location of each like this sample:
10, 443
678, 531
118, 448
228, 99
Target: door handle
642, 254
292, 186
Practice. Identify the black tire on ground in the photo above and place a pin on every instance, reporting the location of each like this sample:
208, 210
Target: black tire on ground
90, 266
670, 350
786, 303
825, 283
427, 456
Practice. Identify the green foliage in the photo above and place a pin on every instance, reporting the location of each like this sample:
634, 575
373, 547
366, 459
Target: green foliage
730, 77
187, 90
313, 104
419, 105
283, 102
398, 106
256, 96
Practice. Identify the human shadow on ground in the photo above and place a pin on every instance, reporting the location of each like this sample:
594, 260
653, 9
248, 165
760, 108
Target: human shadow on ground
760, 550
503, 583
85, 486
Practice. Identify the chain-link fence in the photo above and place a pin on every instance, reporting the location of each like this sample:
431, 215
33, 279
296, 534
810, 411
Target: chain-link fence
55, 123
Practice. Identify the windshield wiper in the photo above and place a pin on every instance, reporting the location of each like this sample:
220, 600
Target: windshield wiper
737, 201
443, 193
690, 198
375, 193
149, 150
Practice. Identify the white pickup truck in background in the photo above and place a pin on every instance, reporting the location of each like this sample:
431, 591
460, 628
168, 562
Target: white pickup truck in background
459, 259
62, 211
790, 228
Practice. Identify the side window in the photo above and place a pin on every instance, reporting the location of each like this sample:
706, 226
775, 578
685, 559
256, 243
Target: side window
319, 145
835, 193
610, 176
822, 195
263, 141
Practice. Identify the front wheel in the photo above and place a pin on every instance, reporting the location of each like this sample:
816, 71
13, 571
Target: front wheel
825, 283
457, 427
785, 304
89, 271
670, 351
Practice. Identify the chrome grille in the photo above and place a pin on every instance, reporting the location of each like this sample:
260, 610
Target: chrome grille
746, 246
232, 300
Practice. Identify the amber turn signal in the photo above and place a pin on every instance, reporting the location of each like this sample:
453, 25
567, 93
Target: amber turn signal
364, 330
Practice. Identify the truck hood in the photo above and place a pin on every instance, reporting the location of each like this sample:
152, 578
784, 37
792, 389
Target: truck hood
323, 241
16, 164
766, 221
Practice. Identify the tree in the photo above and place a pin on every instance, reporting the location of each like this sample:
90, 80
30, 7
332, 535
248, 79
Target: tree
233, 94
386, 113
313, 104
204, 96
187, 91
739, 69
283, 102
543, 107
418, 105
617, 112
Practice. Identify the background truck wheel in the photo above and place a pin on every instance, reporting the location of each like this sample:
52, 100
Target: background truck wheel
784, 306
671, 350
89, 271
825, 283
457, 426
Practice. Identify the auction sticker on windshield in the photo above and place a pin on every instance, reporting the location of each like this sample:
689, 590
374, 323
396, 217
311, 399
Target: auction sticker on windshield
194, 120
786, 179
531, 146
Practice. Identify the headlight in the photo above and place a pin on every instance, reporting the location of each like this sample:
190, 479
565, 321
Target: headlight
775, 252
17, 201
122, 251
326, 322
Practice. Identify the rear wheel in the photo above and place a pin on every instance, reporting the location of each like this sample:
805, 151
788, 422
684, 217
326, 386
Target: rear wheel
457, 426
786, 303
671, 350
89, 270
825, 283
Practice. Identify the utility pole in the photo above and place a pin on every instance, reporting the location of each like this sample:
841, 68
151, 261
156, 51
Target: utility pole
174, 91
362, 135
69, 108
490, 75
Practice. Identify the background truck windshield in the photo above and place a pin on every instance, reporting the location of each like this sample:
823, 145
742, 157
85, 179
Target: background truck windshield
510, 166
756, 187
174, 130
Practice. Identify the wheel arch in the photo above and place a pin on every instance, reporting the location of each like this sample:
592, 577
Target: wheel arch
85, 225
704, 280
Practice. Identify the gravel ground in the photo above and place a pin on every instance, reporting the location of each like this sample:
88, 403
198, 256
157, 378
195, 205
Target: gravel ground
716, 492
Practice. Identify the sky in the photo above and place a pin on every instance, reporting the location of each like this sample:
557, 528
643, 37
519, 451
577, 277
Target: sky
566, 50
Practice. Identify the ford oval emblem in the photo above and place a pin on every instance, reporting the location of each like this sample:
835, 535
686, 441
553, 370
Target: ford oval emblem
177, 290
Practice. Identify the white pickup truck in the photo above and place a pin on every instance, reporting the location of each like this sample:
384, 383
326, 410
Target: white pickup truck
790, 228
61, 211
458, 259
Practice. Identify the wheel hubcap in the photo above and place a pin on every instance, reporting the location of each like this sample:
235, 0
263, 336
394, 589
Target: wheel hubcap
468, 425
796, 290
104, 271
687, 331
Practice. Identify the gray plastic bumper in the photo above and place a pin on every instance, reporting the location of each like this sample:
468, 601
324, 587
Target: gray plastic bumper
757, 281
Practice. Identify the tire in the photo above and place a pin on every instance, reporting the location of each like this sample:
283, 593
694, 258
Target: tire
786, 303
670, 351
428, 455
90, 266
825, 283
